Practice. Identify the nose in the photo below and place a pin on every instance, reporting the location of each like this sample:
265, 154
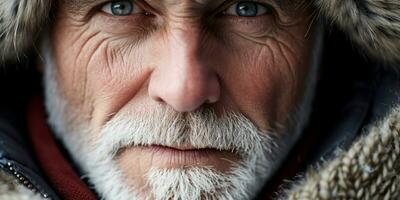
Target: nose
183, 79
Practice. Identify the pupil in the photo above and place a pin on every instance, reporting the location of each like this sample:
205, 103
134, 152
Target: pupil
120, 6
247, 9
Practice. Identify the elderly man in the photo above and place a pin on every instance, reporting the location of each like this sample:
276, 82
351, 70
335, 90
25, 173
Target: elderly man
199, 99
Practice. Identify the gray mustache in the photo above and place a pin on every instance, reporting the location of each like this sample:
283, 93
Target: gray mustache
200, 129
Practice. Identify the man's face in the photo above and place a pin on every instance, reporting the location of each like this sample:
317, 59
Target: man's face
165, 89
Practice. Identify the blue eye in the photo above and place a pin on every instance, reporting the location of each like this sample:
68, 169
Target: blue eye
122, 8
247, 9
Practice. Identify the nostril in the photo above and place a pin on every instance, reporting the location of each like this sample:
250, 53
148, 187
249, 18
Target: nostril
214, 91
159, 99
212, 100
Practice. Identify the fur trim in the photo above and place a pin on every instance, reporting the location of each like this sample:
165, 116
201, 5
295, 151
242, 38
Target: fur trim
372, 24
368, 170
10, 189
20, 24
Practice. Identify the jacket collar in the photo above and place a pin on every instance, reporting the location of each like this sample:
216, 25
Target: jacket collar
16, 157
54, 164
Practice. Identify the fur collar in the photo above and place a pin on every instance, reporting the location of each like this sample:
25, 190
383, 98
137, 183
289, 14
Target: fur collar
10, 189
374, 25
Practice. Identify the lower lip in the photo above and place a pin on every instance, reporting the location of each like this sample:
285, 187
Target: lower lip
167, 157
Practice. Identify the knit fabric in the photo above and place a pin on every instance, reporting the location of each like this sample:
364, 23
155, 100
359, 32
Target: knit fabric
368, 170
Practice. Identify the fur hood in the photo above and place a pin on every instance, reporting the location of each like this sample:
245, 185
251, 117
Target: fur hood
368, 170
373, 25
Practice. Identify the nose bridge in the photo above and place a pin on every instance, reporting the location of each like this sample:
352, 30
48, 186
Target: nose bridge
188, 70
186, 36
184, 80
185, 51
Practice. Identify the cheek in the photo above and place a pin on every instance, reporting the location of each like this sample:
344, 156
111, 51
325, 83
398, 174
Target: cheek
266, 76
72, 48
117, 74
97, 72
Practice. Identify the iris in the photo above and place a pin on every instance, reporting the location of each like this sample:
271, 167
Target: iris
247, 9
122, 8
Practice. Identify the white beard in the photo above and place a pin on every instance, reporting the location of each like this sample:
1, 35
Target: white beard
201, 129
261, 152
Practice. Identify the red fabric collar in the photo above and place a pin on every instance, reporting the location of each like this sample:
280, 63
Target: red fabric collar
55, 167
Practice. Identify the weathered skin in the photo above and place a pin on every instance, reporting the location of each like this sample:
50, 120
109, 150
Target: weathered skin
182, 54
